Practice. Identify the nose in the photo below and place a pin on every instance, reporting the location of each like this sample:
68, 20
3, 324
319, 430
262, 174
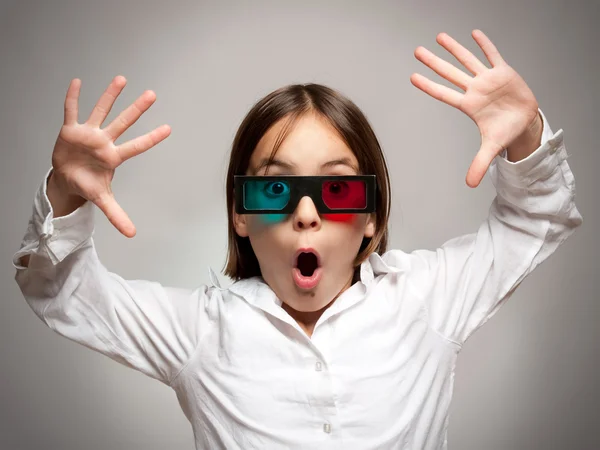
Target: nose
306, 215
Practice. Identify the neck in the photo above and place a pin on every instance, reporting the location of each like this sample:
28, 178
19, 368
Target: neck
308, 319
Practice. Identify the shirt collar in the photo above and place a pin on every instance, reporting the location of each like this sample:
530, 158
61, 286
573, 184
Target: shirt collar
258, 293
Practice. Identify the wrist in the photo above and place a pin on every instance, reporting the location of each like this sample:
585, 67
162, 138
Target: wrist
63, 202
528, 141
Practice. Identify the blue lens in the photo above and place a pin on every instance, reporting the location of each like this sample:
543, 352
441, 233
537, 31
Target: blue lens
260, 194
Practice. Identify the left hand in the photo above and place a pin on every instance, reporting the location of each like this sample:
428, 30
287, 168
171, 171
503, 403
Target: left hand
498, 100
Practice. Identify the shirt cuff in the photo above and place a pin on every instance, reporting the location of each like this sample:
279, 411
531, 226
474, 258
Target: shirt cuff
538, 165
59, 236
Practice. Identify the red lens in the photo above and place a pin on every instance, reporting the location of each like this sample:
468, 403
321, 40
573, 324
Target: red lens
342, 194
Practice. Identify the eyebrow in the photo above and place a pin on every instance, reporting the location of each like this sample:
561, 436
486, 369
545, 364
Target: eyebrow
289, 166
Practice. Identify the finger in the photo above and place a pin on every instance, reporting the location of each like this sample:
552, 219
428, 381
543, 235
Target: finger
71, 102
128, 117
106, 101
479, 166
140, 144
464, 56
437, 91
489, 49
443, 68
116, 215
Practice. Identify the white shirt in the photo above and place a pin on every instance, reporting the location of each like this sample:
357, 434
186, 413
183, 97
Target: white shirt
378, 371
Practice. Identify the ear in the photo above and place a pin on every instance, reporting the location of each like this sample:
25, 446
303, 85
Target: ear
370, 226
240, 224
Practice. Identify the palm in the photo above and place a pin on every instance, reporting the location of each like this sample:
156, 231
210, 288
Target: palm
87, 155
494, 101
498, 100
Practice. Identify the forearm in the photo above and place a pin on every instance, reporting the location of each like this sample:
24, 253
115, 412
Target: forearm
534, 212
62, 205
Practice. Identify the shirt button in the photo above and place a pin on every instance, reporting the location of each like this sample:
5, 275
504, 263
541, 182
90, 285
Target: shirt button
327, 428
318, 366
47, 229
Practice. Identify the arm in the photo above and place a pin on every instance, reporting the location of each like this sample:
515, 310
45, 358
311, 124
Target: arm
141, 324
465, 281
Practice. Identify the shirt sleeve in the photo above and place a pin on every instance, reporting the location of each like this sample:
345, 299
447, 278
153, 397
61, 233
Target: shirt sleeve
467, 279
140, 324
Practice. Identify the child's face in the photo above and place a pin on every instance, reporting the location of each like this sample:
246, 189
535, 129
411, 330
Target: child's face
275, 239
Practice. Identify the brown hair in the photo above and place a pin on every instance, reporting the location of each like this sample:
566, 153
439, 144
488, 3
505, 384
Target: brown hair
292, 102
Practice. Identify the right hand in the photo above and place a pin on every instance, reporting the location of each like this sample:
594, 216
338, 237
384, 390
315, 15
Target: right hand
85, 157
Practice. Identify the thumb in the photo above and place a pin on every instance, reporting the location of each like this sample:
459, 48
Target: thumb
115, 214
481, 163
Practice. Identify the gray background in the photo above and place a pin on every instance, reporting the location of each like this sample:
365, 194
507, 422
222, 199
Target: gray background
527, 380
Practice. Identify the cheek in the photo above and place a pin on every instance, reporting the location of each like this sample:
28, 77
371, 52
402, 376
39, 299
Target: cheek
346, 218
269, 219
259, 223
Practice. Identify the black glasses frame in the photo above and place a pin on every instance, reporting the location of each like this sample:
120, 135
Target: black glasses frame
301, 186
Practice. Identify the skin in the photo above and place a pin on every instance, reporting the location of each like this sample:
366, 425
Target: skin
307, 147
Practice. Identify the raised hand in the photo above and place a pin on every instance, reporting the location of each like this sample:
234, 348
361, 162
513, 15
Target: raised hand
85, 157
498, 100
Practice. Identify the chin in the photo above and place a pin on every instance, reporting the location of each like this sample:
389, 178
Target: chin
310, 300
306, 300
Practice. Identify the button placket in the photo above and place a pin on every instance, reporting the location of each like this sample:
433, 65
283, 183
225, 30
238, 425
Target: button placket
321, 395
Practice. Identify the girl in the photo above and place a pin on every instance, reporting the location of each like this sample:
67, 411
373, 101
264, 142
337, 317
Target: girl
320, 342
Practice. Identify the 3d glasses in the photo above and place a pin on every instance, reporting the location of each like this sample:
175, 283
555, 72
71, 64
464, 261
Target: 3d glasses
334, 194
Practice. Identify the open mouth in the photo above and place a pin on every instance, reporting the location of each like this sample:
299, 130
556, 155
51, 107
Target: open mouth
307, 268
307, 263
